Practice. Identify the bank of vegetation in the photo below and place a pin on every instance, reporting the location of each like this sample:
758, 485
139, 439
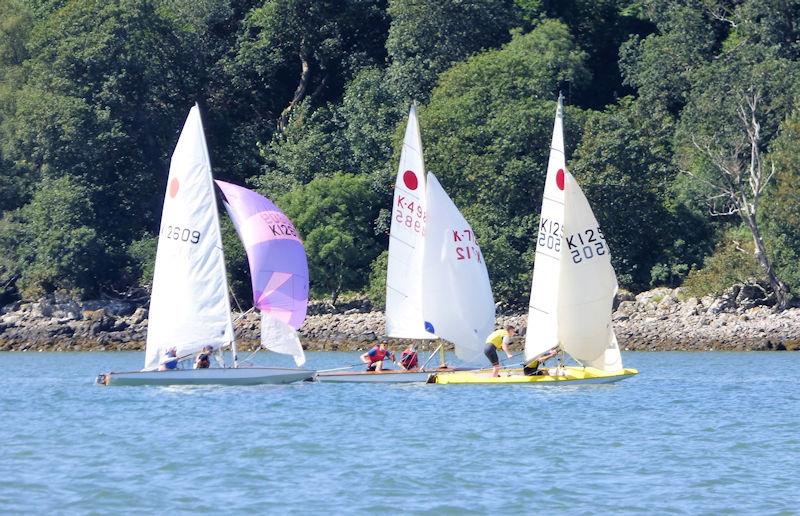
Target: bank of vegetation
682, 126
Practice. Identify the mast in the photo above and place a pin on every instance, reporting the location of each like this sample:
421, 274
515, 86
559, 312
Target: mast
226, 287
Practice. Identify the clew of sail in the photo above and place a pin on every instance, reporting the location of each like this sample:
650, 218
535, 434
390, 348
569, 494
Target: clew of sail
543, 306
189, 305
403, 272
278, 267
457, 296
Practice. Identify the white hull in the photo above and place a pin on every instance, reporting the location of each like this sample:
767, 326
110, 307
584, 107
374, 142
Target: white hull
211, 376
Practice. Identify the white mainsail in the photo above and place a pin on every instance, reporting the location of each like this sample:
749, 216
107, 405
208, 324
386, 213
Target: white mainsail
543, 307
189, 306
403, 272
457, 301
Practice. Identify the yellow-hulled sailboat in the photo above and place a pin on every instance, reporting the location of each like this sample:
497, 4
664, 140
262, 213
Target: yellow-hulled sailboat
572, 292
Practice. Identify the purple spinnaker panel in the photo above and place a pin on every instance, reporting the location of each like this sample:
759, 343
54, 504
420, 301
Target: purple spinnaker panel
278, 264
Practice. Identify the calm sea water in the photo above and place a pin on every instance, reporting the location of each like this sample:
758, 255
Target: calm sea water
693, 433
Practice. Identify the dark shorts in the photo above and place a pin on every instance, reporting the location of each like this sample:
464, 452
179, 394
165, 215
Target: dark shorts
491, 353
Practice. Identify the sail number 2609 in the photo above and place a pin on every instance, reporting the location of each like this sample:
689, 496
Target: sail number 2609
182, 234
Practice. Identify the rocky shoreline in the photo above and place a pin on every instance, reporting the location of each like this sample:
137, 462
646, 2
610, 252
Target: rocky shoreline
657, 320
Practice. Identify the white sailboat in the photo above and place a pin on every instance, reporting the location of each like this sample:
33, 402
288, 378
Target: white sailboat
437, 285
189, 307
573, 287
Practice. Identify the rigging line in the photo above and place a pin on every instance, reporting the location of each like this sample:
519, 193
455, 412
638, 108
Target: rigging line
234, 298
430, 357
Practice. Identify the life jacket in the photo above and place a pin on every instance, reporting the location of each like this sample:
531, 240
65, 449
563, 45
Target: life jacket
496, 338
409, 359
379, 355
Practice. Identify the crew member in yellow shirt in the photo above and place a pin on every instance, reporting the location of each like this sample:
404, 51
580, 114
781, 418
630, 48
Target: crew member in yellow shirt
498, 339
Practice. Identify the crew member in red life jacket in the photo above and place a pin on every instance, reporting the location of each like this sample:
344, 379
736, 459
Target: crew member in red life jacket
408, 358
375, 357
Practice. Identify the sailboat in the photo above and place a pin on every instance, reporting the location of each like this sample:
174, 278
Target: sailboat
572, 290
437, 285
189, 305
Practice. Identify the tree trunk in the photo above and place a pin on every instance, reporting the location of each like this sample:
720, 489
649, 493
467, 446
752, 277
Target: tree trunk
299, 93
778, 286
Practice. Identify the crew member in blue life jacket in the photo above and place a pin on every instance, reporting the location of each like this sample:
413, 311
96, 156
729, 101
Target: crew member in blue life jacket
498, 339
409, 358
169, 360
375, 357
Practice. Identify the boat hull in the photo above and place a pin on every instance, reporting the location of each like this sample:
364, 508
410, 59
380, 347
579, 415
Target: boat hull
574, 375
211, 376
392, 376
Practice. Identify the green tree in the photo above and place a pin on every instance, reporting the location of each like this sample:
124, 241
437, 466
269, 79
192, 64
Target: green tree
624, 165
734, 112
659, 65
486, 134
426, 37
335, 214
292, 49
56, 246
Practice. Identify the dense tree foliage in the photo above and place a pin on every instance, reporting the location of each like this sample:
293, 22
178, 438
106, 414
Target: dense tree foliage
305, 100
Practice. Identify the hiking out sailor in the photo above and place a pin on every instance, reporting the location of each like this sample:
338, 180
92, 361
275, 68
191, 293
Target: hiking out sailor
534, 367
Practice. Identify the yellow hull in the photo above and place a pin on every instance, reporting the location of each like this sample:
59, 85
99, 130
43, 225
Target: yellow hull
573, 375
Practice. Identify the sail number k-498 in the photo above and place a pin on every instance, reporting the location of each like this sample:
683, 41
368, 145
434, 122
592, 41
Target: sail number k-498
182, 234
407, 214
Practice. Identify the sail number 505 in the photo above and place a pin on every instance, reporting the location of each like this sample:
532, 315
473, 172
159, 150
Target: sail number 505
182, 234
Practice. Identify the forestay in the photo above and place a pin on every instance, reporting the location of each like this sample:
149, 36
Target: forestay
403, 274
278, 267
189, 305
457, 297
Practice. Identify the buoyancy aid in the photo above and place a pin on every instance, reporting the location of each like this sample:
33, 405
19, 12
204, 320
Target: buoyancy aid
496, 338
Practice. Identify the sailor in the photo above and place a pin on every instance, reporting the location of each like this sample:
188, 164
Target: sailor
374, 357
169, 360
533, 367
203, 360
498, 339
409, 358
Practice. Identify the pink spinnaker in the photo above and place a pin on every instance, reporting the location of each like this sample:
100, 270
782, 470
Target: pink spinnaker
278, 264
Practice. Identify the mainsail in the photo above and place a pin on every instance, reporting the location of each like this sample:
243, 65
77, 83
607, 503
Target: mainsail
403, 273
457, 298
278, 267
573, 281
543, 307
189, 305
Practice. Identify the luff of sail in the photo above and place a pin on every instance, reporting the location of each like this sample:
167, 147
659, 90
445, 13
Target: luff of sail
403, 274
456, 293
278, 267
543, 306
189, 306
